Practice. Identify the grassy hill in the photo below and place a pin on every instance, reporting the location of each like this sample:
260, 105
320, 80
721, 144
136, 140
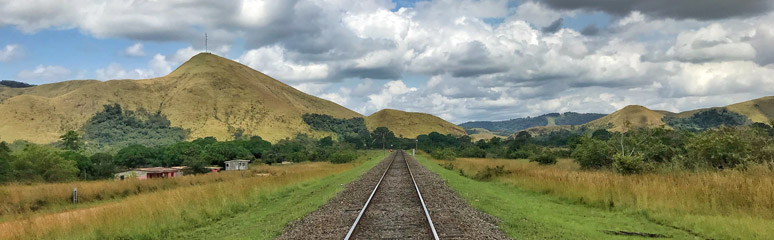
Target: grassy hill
410, 124
515, 125
209, 95
757, 110
639, 116
480, 133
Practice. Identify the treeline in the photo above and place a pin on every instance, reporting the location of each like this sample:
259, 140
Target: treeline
634, 151
647, 150
46, 163
706, 119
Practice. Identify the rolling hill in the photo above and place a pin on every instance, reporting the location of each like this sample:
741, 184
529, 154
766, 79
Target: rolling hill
757, 110
209, 95
480, 133
639, 116
410, 124
515, 125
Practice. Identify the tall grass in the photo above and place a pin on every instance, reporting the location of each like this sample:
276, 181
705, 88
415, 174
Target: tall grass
22, 199
745, 194
149, 215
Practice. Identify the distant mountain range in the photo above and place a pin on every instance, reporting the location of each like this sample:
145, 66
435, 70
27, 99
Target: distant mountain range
759, 110
507, 127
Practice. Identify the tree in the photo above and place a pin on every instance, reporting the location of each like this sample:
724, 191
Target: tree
71, 141
601, 134
383, 137
178, 153
326, 142
593, 154
84, 165
720, 149
103, 166
256, 145
220, 152
42, 163
5, 161
205, 141
135, 155
523, 138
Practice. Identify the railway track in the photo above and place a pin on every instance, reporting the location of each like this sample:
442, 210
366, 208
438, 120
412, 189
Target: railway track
395, 209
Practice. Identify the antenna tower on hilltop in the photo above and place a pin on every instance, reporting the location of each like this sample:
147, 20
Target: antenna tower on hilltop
206, 49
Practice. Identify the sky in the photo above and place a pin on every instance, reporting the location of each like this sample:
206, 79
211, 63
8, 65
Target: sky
460, 60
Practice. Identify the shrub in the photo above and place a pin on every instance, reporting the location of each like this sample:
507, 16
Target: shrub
543, 159
444, 154
593, 154
473, 152
718, 149
42, 163
490, 172
343, 156
521, 154
448, 166
633, 164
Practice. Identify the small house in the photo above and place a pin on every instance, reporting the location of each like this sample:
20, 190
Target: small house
145, 173
236, 165
214, 168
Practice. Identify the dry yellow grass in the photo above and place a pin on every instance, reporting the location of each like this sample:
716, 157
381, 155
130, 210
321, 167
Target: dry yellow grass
207, 94
743, 194
411, 124
757, 110
23, 199
150, 212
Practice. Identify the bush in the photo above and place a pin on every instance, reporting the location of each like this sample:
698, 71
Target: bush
543, 159
490, 172
444, 154
473, 152
521, 154
634, 164
42, 163
448, 166
342, 156
718, 149
593, 154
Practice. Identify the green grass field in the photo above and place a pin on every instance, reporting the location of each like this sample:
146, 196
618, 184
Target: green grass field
532, 215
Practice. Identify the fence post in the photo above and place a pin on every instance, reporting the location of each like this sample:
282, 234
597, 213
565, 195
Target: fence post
75, 195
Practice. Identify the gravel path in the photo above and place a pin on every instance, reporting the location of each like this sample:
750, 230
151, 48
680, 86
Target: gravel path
452, 216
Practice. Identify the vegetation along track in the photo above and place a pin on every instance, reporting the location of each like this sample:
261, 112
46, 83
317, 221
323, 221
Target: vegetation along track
395, 208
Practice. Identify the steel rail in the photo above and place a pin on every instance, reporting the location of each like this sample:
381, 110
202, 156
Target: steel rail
424, 207
362, 211
416, 187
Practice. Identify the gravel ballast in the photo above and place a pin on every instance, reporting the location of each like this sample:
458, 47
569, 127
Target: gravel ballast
394, 215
